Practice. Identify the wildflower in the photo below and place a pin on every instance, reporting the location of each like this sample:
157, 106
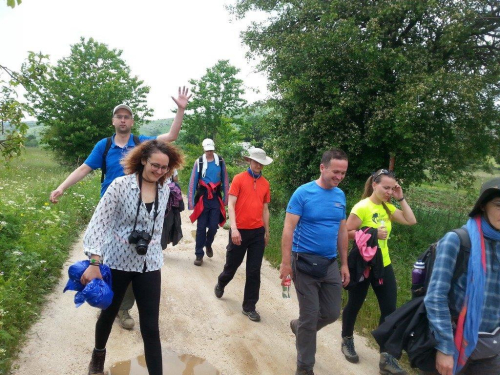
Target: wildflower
46, 204
17, 252
43, 261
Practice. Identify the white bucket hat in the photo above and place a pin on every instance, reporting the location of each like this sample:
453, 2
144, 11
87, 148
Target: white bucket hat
208, 144
259, 155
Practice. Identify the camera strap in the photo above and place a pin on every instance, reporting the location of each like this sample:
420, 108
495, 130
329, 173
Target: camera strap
139, 205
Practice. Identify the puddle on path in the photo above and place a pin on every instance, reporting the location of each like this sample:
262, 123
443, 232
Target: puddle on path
173, 364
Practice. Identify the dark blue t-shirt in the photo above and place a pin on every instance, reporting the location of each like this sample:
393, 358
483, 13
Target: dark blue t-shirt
113, 167
321, 211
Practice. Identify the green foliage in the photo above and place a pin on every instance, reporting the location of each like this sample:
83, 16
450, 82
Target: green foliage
75, 98
416, 81
12, 3
35, 238
12, 138
216, 106
253, 126
157, 127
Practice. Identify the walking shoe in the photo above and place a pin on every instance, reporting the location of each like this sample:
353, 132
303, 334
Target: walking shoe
198, 261
348, 349
293, 326
210, 252
219, 292
125, 320
389, 365
301, 371
96, 365
252, 315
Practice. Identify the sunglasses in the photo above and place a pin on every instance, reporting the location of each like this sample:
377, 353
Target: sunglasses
384, 172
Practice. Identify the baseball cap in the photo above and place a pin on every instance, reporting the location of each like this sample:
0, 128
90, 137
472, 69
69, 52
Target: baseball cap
123, 106
208, 144
489, 189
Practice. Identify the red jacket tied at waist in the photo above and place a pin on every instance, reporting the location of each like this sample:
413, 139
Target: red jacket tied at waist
211, 189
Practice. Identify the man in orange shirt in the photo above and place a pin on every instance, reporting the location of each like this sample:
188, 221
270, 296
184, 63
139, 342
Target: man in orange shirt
249, 197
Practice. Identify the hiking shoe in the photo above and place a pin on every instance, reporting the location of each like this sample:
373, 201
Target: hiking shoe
293, 326
96, 365
219, 292
210, 252
252, 315
389, 365
125, 320
301, 371
348, 349
198, 261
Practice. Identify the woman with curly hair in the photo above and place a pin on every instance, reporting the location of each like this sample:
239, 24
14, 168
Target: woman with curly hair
125, 234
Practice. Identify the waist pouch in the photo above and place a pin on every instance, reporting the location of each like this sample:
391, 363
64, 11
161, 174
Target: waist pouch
488, 345
313, 265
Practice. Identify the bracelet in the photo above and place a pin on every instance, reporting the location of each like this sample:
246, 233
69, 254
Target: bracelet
402, 199
94, 262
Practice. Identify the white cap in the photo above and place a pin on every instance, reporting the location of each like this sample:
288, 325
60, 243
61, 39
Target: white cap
208, 144
123, 106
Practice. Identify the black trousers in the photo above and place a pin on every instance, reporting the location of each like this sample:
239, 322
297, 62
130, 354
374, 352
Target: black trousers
387, 295
147, 288
252, 243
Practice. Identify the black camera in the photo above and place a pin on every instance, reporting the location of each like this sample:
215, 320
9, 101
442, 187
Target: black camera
141, 240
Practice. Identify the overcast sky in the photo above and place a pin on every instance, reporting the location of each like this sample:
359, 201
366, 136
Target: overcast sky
165, 43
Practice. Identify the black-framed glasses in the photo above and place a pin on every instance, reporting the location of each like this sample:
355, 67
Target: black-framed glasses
123, 117
157, 166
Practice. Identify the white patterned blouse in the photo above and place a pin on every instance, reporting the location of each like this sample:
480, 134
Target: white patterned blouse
113, 221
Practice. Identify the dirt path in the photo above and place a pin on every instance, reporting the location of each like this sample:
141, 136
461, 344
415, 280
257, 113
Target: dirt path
192, 321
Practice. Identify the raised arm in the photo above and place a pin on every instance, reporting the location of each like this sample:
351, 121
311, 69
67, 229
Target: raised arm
77, 175
405, 215
182, 102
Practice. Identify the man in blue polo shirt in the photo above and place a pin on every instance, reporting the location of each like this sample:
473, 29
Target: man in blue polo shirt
121, 143
314, 236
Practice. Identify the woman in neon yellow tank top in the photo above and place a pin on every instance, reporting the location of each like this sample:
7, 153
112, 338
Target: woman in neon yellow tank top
375, 211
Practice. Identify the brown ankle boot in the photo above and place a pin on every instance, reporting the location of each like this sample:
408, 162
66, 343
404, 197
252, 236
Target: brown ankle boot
96, 366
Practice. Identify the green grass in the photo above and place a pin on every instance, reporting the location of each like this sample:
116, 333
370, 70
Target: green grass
35, 238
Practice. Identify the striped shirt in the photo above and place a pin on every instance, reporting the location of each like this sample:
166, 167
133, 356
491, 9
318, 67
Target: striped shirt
444, 301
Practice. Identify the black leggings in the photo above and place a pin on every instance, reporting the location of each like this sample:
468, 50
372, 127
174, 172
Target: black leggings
147, 288
387, 295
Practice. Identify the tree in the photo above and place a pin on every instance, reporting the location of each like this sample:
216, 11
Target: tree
415, 82
216, 105
12, 3
75, 98
12, 127
253, 126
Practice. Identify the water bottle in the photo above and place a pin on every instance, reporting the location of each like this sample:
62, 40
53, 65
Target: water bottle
286, 287
418, 273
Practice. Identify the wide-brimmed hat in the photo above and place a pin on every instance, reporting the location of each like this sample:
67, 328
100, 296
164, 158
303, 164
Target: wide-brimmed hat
123, 106
259, 155
488, 189
208, 144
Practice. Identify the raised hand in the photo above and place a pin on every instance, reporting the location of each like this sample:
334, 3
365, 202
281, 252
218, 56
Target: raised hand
182, 99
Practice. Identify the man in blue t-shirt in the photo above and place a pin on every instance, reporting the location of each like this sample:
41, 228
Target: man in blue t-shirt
121, 143
315, 232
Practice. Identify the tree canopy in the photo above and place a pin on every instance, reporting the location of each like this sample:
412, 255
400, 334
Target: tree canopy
12, 127
216, 106
75, 98
415, 81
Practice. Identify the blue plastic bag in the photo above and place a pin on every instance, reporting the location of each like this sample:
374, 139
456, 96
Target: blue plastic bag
96, 293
